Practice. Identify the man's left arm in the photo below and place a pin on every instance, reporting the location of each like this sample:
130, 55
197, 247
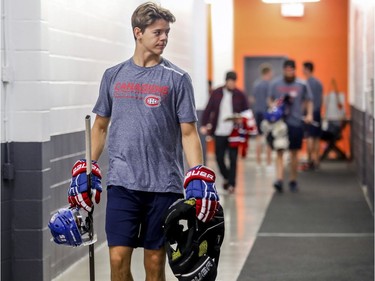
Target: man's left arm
309, 105
191, 144
199, 182
309, 109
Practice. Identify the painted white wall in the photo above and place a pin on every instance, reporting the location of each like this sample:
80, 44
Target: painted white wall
187, 45
58, 50
361, 54
222, 39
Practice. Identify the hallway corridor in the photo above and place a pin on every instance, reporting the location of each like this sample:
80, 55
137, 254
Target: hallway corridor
323, 232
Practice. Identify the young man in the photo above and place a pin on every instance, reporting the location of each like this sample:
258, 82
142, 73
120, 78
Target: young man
224, 102
296, 97
313, 132
259, 101
150, 104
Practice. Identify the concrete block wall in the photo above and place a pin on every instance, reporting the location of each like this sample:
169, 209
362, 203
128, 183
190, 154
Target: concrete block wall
55, 53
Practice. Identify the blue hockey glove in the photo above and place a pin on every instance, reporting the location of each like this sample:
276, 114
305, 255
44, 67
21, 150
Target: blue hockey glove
199, 183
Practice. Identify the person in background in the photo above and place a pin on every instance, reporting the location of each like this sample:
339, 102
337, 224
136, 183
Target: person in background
313, 131
296, 97
149, 103
259, 107
334, 104
218, 120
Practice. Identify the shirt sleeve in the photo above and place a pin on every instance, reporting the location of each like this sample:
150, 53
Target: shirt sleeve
271, 92
103, 106
186, 111
308, 95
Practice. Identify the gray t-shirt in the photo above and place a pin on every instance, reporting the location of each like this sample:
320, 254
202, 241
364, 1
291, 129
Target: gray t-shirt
298, 93
146, 106
260, 91
317, 92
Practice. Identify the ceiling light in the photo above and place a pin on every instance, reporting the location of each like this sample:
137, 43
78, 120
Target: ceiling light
292, 10
288, 1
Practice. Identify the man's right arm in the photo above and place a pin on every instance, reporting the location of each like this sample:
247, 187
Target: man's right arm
99, 136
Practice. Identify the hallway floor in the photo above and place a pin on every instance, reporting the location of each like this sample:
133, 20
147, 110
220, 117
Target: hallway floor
260, 222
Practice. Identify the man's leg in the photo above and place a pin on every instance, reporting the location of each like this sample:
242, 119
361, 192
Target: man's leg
293, 164
221, 145
259, 148
280, 165
152, 235
233, 153
259, 138
278, 184
295, 144
120, 260
268, 155
316, 151
310, 150
154, 261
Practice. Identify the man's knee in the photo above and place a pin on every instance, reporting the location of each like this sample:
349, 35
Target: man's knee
120, 258
155, 257
155, 263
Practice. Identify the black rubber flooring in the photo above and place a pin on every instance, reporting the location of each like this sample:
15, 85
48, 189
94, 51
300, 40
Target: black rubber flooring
323, 232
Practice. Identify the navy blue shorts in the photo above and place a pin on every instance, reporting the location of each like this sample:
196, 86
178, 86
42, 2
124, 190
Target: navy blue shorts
295, 135
314, 131
259, 116
135, 218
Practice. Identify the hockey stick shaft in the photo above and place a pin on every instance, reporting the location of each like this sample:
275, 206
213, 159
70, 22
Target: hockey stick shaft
88, 173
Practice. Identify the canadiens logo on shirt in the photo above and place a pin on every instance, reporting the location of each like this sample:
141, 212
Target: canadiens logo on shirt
151, 94
152, 101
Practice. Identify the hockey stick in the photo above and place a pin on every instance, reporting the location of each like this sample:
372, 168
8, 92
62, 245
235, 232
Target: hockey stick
90, 216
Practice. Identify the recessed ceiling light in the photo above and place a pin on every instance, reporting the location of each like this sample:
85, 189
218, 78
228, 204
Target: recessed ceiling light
288, 1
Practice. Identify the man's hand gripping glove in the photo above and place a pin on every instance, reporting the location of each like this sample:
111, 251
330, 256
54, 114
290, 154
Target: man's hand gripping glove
199, 183
78, 193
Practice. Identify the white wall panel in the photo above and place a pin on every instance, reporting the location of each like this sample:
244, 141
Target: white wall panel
83, 46
30, 66
199, 55
179, 47
67, 93
28, 35
65, 119
23, 10
30, 124
222, 39
187, 45
30, 96
58, 51
74, 69
361, 54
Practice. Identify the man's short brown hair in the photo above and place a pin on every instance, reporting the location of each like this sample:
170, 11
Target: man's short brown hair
265, 68
147, 13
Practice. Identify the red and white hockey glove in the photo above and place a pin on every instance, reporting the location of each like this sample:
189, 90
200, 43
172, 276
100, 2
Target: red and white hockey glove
78, 191
199, 183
